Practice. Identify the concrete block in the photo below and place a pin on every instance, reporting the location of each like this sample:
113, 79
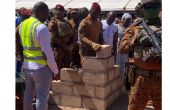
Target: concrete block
104, 52
94, 65
59, 87
111, 99
57, 99
111, 75
85, 90
111, 62
94, 104
69, 74
114, 85
116, 94
116, 71
51, 100
69, 108
71, 101
95, 79
103, 92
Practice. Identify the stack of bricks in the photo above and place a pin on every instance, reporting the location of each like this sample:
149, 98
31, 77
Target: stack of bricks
95, 86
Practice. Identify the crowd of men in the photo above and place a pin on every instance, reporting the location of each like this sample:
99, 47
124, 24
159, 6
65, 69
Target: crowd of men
66, 29
49, 40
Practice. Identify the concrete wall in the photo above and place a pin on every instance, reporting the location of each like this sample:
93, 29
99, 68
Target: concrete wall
95, 86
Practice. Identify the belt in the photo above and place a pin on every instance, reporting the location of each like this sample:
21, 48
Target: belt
146, 73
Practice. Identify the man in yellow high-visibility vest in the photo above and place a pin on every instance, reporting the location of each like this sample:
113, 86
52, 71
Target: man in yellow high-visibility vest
39, 64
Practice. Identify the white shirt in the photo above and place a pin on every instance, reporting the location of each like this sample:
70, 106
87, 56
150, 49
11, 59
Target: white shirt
42, 36
120, 33
121, 59
108, 32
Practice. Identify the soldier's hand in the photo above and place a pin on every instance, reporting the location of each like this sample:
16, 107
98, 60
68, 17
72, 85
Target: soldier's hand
96, 46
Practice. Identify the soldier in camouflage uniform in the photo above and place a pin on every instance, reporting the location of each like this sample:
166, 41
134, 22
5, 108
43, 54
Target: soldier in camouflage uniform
144, 37
74, 22
61, 37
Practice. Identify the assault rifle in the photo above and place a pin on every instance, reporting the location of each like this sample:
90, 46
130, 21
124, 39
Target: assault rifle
154, 38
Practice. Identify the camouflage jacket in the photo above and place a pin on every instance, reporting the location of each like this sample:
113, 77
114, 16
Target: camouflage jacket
137, 39
61, 33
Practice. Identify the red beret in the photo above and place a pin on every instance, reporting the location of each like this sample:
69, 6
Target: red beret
96, 7
25, 12
59, 7
21, 9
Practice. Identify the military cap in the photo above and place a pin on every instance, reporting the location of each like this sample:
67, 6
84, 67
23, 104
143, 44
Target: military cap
25, 12
143, 2
74, 10
21, 9
96, 7
59, 8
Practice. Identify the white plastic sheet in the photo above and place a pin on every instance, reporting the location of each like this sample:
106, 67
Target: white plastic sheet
106, 5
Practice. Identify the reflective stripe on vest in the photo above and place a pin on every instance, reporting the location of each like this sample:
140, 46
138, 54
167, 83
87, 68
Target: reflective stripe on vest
31, 49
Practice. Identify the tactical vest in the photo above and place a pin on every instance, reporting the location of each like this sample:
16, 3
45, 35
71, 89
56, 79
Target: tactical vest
31, 49
64, 29
145, 53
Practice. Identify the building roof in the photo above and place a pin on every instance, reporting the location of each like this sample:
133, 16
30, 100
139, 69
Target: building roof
106, 5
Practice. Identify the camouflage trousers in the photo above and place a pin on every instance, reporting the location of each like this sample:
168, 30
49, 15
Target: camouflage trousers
75, 57
63, 57
143, 89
